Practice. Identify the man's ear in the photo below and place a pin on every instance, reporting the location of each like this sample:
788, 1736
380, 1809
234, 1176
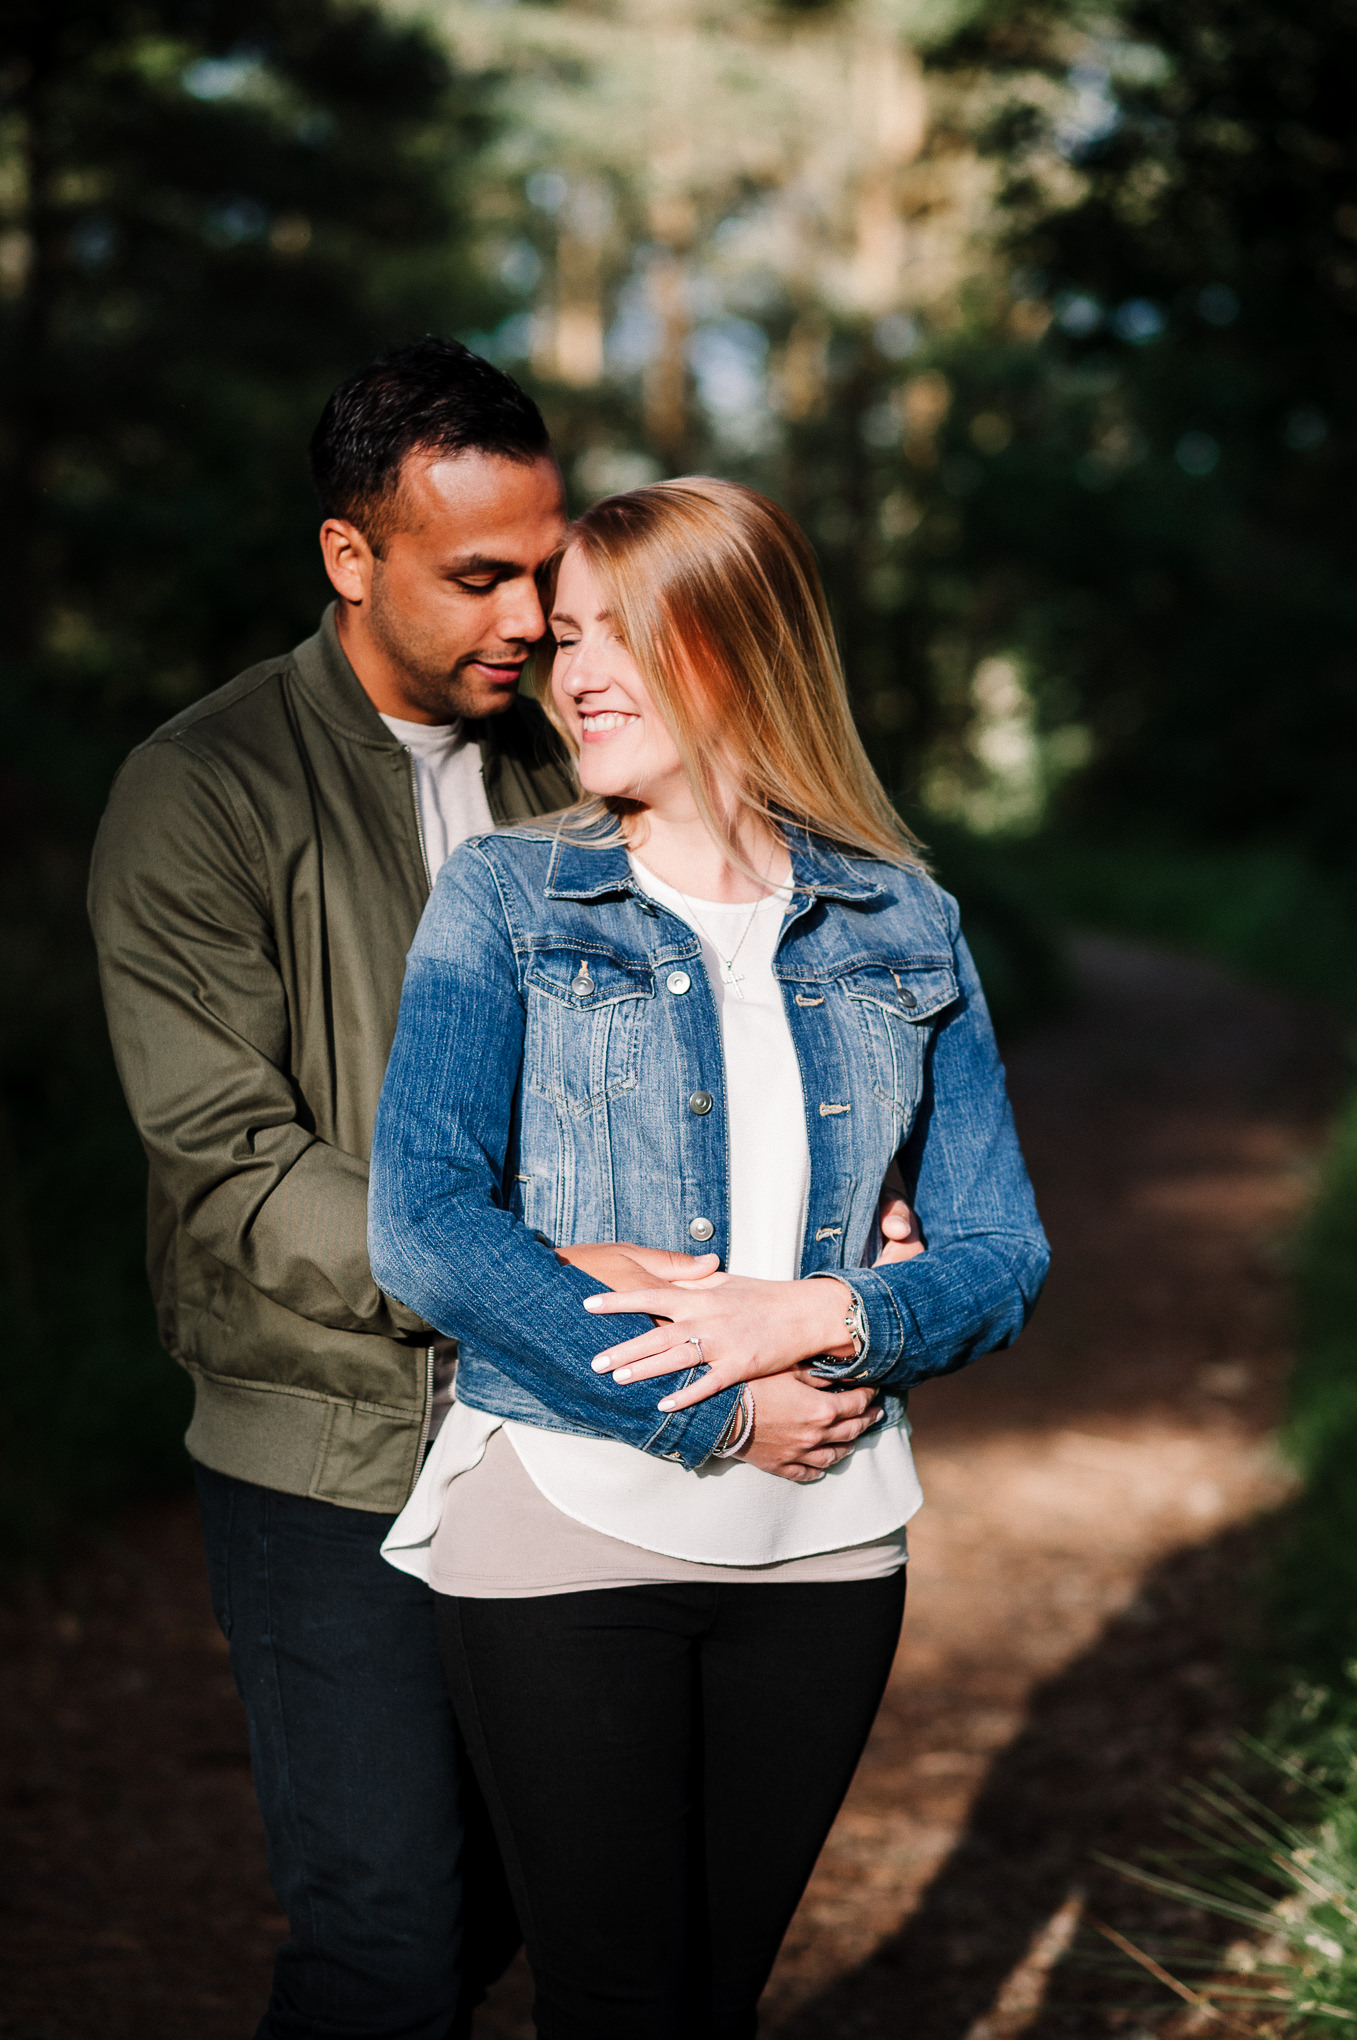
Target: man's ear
348, 559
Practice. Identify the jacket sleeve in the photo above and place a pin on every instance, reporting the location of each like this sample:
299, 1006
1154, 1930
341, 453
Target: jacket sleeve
440, 1233
198, 1016
976, 1286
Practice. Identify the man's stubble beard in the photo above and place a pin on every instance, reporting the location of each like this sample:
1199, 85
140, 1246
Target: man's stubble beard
425, 676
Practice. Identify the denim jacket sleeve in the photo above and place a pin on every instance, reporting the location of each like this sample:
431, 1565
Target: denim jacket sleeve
976, 1286
439, 1227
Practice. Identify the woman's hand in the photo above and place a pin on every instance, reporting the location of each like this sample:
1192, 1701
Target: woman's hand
802, 1427
743, 1328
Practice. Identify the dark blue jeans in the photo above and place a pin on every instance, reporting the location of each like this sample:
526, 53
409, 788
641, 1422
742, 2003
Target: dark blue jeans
378, 1845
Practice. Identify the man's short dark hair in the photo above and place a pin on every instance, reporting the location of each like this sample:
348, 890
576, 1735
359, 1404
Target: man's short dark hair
432, 396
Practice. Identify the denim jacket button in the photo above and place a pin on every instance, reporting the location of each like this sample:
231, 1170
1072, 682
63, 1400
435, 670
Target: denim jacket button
678, 981
700, 1229
700, 1102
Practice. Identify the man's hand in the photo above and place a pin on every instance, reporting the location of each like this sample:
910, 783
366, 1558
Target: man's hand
901, 1239
621, 1265
802, 1428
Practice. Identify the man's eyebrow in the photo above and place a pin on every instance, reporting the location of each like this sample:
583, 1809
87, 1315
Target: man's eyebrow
482, 563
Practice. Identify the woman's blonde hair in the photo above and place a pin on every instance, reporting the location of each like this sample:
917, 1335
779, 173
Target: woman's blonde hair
716, 595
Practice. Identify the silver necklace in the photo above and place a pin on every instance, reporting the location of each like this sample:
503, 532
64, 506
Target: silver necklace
729, 975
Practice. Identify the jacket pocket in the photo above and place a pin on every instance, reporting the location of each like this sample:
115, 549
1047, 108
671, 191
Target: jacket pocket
584, 1026
895, 1006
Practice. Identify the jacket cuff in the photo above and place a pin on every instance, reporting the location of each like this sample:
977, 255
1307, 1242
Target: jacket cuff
691, 1436
885, 1328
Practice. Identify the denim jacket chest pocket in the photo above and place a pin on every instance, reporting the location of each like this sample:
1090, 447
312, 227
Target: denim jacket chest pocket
894, 1007
585, 1018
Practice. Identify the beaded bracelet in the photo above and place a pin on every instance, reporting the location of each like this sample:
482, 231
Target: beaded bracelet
746, 1431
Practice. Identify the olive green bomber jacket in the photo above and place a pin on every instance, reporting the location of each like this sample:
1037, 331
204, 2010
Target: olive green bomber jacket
256, 882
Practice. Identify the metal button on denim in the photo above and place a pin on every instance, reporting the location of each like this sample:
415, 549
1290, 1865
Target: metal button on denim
700, 1102
700, 1229
678, 981
907, 999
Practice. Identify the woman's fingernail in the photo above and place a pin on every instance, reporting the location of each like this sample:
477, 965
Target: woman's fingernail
622, 1374
667, 1403
600, 1363
591, 1302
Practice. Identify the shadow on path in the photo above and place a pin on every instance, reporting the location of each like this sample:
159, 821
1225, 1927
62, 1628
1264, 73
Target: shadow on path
1108, 1744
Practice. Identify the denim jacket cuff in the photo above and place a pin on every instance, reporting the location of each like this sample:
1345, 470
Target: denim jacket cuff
885, 1328
691, 1436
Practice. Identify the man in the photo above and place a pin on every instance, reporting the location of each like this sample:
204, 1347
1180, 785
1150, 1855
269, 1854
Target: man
257, 880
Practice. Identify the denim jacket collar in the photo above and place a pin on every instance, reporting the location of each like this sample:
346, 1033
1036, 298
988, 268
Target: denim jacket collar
582, 869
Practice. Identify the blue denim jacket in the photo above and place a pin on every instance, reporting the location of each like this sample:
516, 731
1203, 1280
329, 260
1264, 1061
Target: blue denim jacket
557, 1033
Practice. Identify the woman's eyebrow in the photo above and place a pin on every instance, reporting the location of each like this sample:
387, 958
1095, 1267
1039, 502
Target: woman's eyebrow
559, 616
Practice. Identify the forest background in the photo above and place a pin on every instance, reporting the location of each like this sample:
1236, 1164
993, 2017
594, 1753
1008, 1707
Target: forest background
1041, 315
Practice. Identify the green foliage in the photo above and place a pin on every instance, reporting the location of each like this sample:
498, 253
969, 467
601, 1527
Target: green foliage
1190, 466
1119, 456
213, 213
1008, 925
1264, 911
1288, 1878
90, 1408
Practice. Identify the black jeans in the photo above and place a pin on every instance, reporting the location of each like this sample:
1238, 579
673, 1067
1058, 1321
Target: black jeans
378, 1845
662, 1765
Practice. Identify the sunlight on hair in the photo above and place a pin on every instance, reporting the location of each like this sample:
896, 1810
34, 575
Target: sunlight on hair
717, 596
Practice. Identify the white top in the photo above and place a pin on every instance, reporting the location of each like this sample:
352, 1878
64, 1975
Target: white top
452, 802
452, 806
500, 1539
727, 1512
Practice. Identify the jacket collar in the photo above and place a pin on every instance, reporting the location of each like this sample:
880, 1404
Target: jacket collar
335, 690
589, 866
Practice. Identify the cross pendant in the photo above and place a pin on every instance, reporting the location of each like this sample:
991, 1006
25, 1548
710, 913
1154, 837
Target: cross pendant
732, 977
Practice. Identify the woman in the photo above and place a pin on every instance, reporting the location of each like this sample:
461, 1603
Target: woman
713, 1006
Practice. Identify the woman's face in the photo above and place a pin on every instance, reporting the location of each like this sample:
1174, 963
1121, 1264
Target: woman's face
625, 748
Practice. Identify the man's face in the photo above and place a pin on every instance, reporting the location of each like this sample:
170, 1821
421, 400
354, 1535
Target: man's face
446, 616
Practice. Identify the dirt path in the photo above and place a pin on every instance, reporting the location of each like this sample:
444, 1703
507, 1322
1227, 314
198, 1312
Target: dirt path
1079, 1581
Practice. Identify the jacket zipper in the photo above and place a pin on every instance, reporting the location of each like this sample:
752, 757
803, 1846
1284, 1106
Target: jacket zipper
428, 1350
419, 819
428, 1409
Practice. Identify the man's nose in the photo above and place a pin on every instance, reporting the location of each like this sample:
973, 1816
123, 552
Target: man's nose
520, 618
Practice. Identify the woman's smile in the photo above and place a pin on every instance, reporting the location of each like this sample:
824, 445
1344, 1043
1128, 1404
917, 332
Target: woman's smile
598, 723
626, 749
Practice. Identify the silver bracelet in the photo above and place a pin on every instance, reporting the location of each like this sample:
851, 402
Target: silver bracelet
746, 1430
855, 1318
